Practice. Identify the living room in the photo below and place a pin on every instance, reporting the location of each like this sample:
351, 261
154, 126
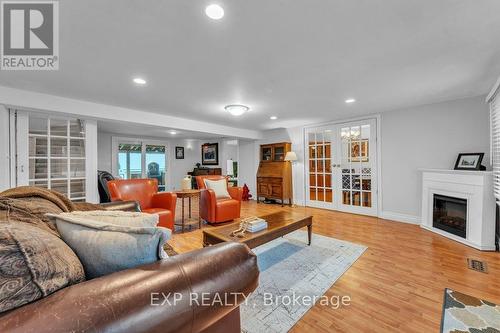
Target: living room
297, 166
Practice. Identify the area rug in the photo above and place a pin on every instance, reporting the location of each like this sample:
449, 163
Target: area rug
291, 275
467, 314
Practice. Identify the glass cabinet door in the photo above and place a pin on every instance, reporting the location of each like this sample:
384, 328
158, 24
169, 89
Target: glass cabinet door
279, 153
266, 153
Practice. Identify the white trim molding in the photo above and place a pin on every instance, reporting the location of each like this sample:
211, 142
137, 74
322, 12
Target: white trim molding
91, 190
4, 149
399, 217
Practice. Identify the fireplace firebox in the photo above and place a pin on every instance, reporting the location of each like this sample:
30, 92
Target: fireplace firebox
450, 214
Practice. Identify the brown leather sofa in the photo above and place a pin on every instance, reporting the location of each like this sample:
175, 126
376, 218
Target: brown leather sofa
123, 301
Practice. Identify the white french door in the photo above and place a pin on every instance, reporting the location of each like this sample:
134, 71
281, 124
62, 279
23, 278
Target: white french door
341, 167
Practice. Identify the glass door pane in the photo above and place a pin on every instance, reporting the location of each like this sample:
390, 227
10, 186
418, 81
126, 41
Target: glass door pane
130, 160
156, 164
357, 167
320, 145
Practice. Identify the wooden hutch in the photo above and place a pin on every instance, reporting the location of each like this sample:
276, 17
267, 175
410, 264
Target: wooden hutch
274, 176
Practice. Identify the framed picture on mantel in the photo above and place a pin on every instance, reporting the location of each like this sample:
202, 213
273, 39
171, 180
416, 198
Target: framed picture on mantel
469, 161
210, 154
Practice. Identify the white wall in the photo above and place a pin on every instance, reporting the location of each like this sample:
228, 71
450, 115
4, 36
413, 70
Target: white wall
4, 149
247, 164
429, 136
178, 168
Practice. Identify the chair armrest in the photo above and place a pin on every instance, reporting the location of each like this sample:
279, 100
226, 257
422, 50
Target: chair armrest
236, 192
129, 206
165, 200
208, 203
142, 299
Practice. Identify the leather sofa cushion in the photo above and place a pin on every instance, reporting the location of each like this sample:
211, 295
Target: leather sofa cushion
108, 242
34, 264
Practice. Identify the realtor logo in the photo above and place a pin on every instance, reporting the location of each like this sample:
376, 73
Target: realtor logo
30, 35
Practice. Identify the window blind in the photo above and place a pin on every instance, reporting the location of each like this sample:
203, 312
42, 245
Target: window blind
494, 101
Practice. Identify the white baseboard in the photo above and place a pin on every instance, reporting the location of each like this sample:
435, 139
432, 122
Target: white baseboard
405, 218
299, 202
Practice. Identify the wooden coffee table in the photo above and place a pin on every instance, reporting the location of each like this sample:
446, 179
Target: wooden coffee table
278, 224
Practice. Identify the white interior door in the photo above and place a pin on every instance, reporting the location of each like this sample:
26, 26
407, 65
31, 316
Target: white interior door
321, 154
341, 167
357, 169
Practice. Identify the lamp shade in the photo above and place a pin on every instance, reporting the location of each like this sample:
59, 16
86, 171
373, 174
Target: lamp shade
291, 156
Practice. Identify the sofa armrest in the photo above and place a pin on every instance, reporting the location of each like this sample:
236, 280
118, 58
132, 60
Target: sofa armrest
165, 200
236, 192
129, 206
142, 299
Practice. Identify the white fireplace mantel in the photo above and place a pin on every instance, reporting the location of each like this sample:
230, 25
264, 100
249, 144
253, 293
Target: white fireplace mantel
474, 186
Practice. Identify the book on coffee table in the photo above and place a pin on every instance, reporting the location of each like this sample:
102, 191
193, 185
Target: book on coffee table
254, 224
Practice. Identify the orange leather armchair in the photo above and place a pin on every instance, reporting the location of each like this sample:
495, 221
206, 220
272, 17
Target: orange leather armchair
215, 210
145, 192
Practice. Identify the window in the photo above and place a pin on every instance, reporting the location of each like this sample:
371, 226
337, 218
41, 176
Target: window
494, 101
56, 153
134, 158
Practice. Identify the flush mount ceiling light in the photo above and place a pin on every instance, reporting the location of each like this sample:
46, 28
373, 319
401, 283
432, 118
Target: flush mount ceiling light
236, 109
172, 132
273, 117
350, 100
215, 12
139, 81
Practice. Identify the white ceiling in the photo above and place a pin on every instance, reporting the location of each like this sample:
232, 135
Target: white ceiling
296, 59
132, 130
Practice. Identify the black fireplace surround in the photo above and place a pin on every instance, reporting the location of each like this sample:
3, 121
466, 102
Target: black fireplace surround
450, 214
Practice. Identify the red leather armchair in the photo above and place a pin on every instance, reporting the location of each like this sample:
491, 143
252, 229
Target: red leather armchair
215, 210
145, 192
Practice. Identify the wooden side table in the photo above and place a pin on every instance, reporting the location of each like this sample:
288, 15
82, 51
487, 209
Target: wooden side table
188, 194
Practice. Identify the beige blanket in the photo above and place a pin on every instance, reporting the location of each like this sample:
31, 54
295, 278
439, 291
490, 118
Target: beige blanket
30, 204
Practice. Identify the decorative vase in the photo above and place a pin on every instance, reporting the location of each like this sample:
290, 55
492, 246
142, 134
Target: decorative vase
186, 183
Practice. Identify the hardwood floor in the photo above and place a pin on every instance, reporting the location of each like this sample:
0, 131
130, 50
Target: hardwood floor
396, 285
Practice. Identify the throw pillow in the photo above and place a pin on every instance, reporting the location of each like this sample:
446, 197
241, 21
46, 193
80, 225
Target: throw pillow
129, 219
34, 264
107, 243
219, 187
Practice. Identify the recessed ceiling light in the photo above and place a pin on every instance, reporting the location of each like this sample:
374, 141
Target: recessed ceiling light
140, 81
236, 109
172, 132
273, 117
350, 100
215, 12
